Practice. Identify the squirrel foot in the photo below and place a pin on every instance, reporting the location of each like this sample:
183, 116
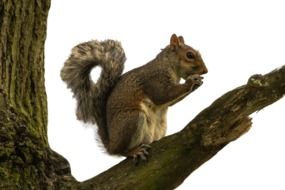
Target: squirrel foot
139, 153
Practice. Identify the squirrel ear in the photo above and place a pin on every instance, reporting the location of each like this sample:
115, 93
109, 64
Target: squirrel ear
181, 39
174, 41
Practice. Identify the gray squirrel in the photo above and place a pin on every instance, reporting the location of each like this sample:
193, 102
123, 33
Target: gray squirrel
130, 109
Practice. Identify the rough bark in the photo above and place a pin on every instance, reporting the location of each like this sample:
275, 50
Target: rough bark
27, 162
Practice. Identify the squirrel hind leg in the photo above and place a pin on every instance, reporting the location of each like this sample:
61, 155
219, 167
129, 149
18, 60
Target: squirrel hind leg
126, 132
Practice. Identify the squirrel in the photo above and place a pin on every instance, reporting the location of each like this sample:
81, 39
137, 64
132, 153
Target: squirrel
130, 109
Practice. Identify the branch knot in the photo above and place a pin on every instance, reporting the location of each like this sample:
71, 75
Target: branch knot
257, 80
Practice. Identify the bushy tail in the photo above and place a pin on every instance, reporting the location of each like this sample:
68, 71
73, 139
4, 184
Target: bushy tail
92, 97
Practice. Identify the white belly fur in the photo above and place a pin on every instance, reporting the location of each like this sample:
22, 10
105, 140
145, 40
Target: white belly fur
152, 124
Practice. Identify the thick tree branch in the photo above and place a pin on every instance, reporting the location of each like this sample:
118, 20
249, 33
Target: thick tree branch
175, 157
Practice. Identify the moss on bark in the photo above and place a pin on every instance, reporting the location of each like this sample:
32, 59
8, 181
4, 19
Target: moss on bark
25, 158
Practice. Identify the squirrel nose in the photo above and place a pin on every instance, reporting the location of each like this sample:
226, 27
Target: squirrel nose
205, 70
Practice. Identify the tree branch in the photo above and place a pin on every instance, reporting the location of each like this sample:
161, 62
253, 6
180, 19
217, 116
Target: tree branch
175, 157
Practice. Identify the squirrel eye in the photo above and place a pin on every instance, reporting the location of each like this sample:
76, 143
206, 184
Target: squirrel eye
190, 55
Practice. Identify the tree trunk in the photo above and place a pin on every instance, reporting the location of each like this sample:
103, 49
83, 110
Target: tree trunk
25, 157
27, 162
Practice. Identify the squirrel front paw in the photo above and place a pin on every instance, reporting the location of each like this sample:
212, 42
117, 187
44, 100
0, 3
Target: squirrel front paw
195, 81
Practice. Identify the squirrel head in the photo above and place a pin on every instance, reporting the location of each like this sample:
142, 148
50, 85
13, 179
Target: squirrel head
187, 61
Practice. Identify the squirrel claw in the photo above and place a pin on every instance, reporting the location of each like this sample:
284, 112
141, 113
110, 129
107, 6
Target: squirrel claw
140, 153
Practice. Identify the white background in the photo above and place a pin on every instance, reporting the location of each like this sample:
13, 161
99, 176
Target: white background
236, 39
